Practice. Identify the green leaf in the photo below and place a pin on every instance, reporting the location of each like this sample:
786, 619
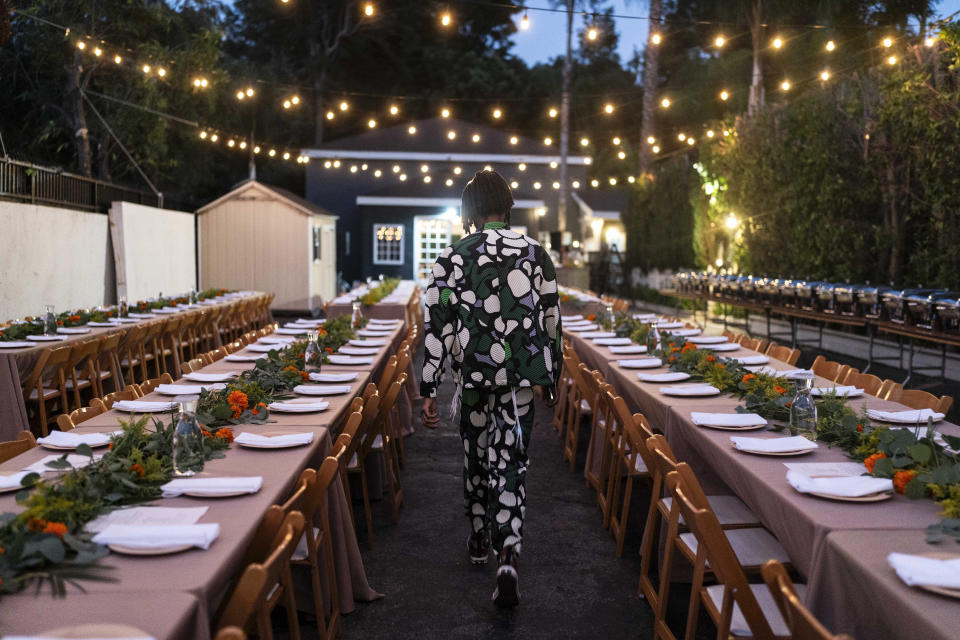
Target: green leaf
883, 468
84, 449
916, 489
921, 453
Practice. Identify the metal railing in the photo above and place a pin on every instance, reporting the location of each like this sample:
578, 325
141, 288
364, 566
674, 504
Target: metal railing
27, 182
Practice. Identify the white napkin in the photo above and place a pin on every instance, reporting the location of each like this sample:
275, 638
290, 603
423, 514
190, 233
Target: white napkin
300, 325
685, 333
907, 417
643, 363
238, 357
77, 461
153, 537
42, 338
141, 316
143, 406
265, 348
672, 376
582, 327
571, 318
276, 340
126, 320
928, 572
368, 343
205, 486
12, 480
15, 344
633, 348
313, 321
847, 487
292, 332
72, 330
724, 346
578, 323
670, 325
340, 359
385, 323
773, 445
71, 439
321, 389
689, 390
187, 389
753, 360
612, 341
94, 323
286, 440
357, 351
334, 377
598, 334
849, 391
298, 407
167, 310
727, 419
373, 332
644, 316
707, 340
196, 376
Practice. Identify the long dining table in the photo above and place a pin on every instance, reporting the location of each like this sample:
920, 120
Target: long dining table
191, 585
805, 525
16, 364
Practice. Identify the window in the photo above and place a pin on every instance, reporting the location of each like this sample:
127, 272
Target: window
388, 244
316, 244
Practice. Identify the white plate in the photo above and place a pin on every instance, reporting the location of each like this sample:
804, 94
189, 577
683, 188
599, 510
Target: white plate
236, 357
111, 323
142, 316
153, 551
707, 340
690, 391
131, 319
265, 348
291, 407
725, 346
350, 360
73, 330
670, 325
216, 494
321, 389
197, 376
586, 327
612, 342
334, 377
152, 407
819, 392
643, 363
373, 333
673, 376
187, 389
15, 344
46, 338
292, 332
368, 343
357, 351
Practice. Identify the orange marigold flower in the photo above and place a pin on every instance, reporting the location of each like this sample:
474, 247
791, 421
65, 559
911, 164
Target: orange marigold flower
224, 433
591, 317
711, 359
74, 318
60, 322
2, 551
238, 398
779, 389
902, 478
255, 411
304, 376
110, 447
872, 460
206, 434
328, 349
673, 358
671, 344
56, 528
138, 469
262, 404
721, 365
321, 331
788, 405
291, 367
36, 524
747, 378
674, 350
860, 428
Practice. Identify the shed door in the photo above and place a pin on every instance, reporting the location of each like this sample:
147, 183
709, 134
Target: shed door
431, 236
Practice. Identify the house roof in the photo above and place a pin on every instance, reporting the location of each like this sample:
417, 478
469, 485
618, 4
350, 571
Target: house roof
431, 141
271, 192
435, 194
601, 203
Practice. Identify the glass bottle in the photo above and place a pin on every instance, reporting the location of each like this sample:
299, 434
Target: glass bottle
357, 315
607, 321
187, 442
803, 410
653, 339
122, 310
50, 322
193, 296
313, 354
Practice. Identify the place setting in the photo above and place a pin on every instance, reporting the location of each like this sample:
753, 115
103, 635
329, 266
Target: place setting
322, 389
70, 440
47, 338
670, 376
144, 406
187, 389
251, 440
612, 342
358, 351
349, 360
843, 482
368, 343
911, 417
73, 330
935, 572
16, 344
153, 530
840, 390
784, 446
702, 340
690, 390
298, 406
720, 347
728, 421
334, 377
199, 376
212, 487
641, 363
627, 349
243, 357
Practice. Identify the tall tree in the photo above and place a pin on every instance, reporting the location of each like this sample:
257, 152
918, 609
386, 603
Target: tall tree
651, 79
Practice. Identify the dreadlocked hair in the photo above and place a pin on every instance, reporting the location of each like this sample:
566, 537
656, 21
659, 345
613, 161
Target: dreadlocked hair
487, 194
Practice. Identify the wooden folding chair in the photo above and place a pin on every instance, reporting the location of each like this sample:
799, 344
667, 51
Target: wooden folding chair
350, 461
803, 625
263, 583
78, 416
47, 383
148, 386
130, 354
732, 336
12, 448
130, 392
890, 390
108, 363
189, 367
564, 383
754, 344
827, 368
784, 354
733, 599
869, 383
920, 399
577, 406
152, 350
631, 465
81, 371
608, 438
598, 450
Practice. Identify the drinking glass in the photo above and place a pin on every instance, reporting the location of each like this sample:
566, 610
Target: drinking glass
187, 442
313, 355
653, 338
357, 316
122, 307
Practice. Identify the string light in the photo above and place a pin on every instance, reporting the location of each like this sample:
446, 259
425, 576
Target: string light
368, 9
622, 155
449, 182
720, 41
286, 155
117, 59
724, 95
537, 185
394, 109
665, 103
613, 182
594, 183
403, 177
445, 113
681, 137
584, 142
336, 164
522, 166
331, 115
655, 149
344, 105
710, 133
616, 140
240, 94
243, 144
831, 45
214, 138
497, 114
372, 123
691, 141
162, 72
592, 33
825, 75
608, 108
457, 170
231, 143
888, 42
353, 168
726, 133
929, 41
81, 45
377, 173
785, 85
452, 135
575, 184
548, 141
552, 112
777, 42
892, 60
424, 168
427, 179
656, 38
514, 140
446, 19
553, 164
272, 152
556, 185
97, 51
411, 129
146, 68
203, 135
631, 179
651, 139
476, 137
524, 21
200, 83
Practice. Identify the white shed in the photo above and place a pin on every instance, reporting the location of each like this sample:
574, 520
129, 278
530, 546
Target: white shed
265, 238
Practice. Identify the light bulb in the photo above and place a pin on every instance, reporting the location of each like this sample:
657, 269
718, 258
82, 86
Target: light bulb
608, 108
394, 110
514, 140
445, 113
286, 155
97, 51
522, 166
888, 42
553, 164
594, 183
537, 185
724, 95
710, 133
475, 137
616, 140
655, 149
81, 45
449, 182
584, 142
575, 184
117, 59
451, 134
824, 75
777, 42
272, 152
548, 141
613, 182
524, 22
249, 91
411, 129
592, 33
552, 112
556, 185
446, 19
343, 105
892, 60
497, 113
331, 115
665, 103
424, 168
831, 45
286, 103
785, 85
514, 184
294, 99
368, 9
372, 123
656, 38
622, 155
163, 72
720, 41
691, 141
651, 139
146, 68
681, 137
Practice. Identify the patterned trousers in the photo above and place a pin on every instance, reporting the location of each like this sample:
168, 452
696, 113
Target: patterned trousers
495, 461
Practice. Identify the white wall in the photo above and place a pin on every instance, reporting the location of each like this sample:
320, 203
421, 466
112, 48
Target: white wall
154, 250
52, 256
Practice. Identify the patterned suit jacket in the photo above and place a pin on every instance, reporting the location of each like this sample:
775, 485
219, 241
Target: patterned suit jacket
492, 306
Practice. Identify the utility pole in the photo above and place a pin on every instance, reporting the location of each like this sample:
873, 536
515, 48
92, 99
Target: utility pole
565, 125
651, 60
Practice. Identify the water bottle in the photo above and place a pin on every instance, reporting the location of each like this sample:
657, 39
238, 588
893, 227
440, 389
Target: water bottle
50, 322
122, 307
607, 322
803, 410
312, 355
193, 296
187, 442
653, 339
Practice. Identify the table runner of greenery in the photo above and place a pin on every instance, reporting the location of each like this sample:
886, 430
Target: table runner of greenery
379, 292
